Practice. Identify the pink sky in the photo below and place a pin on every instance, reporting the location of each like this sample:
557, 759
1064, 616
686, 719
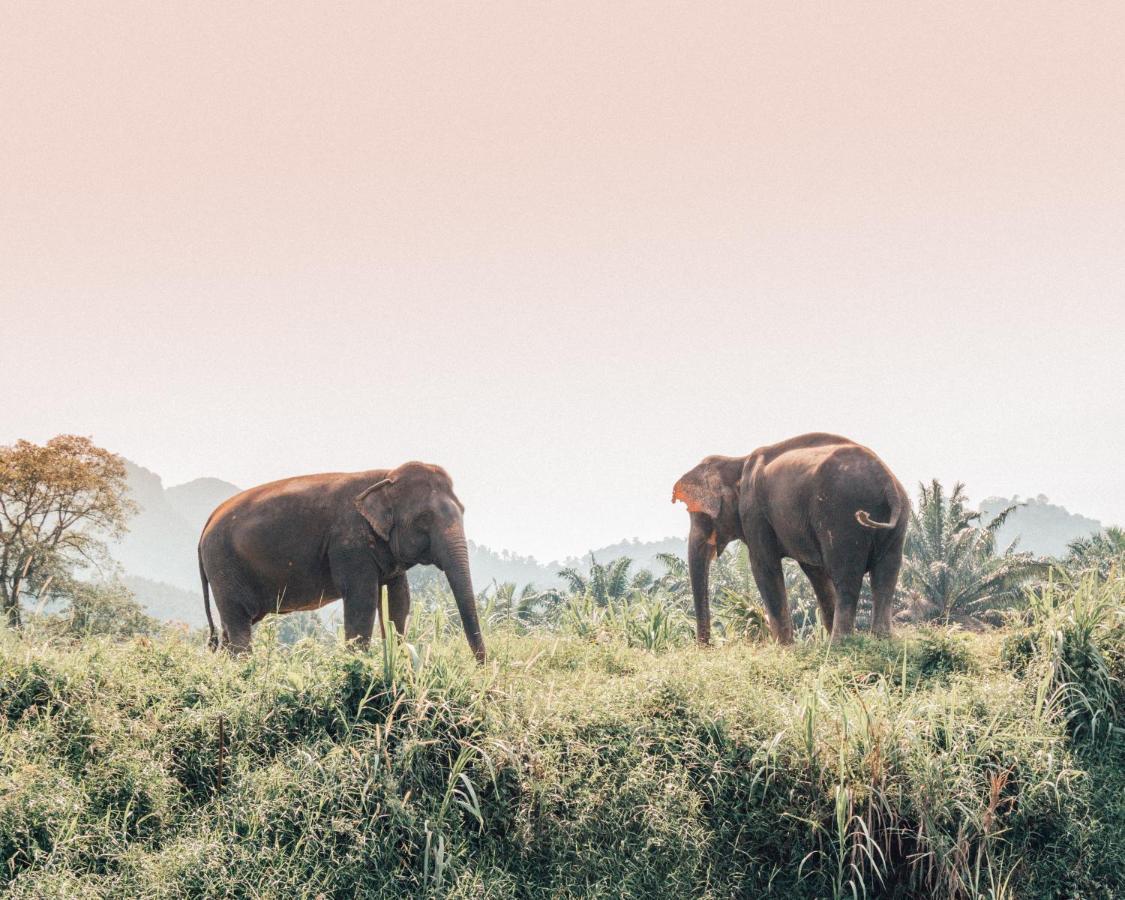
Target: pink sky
566, 250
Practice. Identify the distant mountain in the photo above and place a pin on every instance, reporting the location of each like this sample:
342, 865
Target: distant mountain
162, 538
1041, 526
488, 565
196, 500
167, 602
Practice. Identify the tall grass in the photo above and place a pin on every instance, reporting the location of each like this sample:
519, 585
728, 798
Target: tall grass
613, 761
1076, 645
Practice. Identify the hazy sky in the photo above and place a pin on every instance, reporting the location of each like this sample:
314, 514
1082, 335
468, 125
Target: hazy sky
567, 249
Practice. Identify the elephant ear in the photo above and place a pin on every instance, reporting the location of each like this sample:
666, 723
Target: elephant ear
701, 490
374, 504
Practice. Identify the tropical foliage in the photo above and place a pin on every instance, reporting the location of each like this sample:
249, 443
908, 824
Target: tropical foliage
86, 609
1079, 648
951, 567
607, 584
1099, 553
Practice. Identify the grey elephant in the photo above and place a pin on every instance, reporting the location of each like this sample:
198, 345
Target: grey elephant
821, 499
300, 543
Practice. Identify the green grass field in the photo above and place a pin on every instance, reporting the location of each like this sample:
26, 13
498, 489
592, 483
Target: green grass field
937, 764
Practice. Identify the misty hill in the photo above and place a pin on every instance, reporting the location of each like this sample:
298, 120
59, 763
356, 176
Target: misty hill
1041, 526
166, 602
196, 500
160, 545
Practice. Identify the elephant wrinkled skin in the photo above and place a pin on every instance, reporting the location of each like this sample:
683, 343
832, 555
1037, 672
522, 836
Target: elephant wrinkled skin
821, 499
300, 543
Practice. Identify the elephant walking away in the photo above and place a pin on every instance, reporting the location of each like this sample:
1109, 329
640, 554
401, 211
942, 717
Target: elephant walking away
821, 499
300, 543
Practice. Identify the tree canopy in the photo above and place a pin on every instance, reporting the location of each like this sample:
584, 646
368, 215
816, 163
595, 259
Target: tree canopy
59, 502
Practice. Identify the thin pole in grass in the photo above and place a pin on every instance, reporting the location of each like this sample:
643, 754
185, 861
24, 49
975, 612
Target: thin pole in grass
222, 748
905, 645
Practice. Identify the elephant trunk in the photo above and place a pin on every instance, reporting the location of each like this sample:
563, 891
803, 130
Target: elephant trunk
455, 564
700, 553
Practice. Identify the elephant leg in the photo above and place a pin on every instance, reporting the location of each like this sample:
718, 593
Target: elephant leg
236, 636
884, 578
825, 594
235, 602
848, 581
770, 579
358, 581
361, 602
398, 602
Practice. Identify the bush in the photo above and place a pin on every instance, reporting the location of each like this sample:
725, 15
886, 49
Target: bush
99, 608
1080, 654
924, 766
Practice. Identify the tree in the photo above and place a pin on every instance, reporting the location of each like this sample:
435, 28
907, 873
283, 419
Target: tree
1099, 553
58, 504
539, 607
950, 561
607, 584
501, 603
106, 608
676, 580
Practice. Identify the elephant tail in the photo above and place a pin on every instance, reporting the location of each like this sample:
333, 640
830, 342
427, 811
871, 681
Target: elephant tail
864, 517
213, 640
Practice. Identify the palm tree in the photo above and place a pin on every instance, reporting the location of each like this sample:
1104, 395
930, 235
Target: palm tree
606, 584
676, 580
950, 561
729, 573
537, 607
501, 603
1099, 553
497, 602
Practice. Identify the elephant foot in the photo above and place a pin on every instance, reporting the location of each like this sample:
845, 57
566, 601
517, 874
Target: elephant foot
783, 636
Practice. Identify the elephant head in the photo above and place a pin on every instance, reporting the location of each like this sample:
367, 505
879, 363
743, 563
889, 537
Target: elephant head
711, 493
415, 512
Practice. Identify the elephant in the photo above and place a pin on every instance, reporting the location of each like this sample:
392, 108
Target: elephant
821, 499
300, 543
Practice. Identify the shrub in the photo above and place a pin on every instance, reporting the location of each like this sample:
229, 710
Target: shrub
1081, 654
916, 767
100, 608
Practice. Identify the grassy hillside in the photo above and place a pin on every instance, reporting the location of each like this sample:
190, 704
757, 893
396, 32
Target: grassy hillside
936, 764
